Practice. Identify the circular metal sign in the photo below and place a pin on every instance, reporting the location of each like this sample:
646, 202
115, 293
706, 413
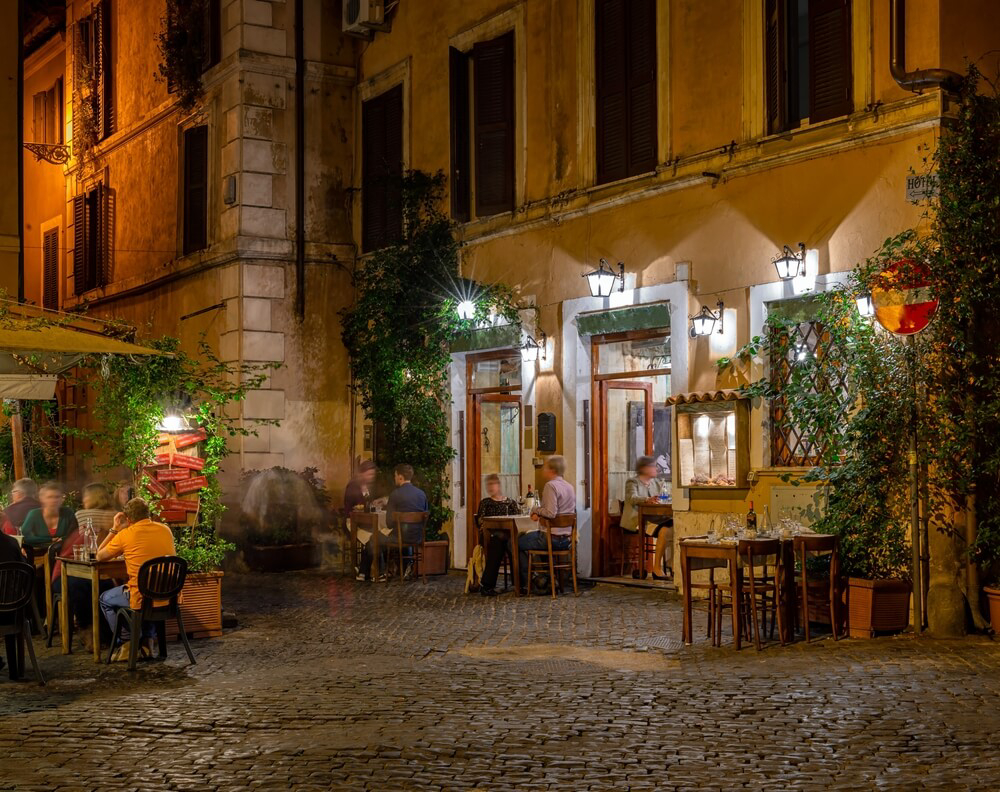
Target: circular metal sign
902, 298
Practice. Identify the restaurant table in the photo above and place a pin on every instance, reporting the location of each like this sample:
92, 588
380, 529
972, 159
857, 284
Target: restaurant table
698, 553
94, 571
646, 513
363, 535
514, 526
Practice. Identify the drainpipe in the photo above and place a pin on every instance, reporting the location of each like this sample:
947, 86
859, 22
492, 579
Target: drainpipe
300, 165
921, 79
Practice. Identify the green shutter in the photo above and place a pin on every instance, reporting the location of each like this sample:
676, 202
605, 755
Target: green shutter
489, 338
621, 320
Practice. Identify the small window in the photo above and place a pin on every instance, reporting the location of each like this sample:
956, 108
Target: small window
634, 355
498, 373
382, 170
47, 125
808, 70
50, 270
195, 189
93, 226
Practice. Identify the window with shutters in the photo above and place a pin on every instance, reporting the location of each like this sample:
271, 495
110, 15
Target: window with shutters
808, 69
195, 195
47, 115
50, 270
93, 229
94, 48
482, 128
381, 169
625, 71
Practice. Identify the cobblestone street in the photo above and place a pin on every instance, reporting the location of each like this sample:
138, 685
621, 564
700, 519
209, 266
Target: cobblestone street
332, 684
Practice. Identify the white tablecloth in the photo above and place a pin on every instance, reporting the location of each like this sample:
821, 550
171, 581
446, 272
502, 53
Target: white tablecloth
524, 524
364, 534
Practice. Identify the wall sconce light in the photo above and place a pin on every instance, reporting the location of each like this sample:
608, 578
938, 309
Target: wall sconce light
466, 309
530, 348
703, 322
865, 305
789, 264
602, 280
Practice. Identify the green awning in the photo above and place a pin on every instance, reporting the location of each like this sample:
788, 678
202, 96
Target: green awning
498, 337
796, 309
621, 320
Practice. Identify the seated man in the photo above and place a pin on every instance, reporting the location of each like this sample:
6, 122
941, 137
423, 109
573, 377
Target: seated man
23, 499
134, 535
558, 498
405, 498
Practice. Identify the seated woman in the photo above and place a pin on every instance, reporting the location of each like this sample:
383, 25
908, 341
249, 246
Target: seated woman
98, 509
643, 488
52, 520
495, 504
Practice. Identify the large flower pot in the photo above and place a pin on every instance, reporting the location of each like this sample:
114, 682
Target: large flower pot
877, 606
435, 557
279, 558
993, 598
201, 606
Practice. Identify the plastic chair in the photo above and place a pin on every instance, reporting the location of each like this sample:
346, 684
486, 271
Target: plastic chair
555, 560
17, 584
411, 518
159, 579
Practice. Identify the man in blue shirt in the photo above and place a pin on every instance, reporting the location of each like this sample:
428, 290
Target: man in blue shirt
405, 498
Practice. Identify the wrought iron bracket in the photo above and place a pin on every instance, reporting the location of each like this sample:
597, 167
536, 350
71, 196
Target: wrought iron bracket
50, 152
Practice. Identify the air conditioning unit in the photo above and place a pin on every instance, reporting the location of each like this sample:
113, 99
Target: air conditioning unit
361, 17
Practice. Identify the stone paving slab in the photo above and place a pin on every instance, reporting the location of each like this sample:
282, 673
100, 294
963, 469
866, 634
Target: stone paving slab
333, 684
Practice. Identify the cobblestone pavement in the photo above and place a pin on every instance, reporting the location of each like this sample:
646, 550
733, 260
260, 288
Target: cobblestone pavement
333, 684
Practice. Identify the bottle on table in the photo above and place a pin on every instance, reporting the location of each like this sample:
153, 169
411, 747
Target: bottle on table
751, 521
529, 500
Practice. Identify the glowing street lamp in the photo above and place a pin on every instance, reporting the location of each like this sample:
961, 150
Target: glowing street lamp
466, 310
530, 347
602, 280
789, 264
866, 307
703, 322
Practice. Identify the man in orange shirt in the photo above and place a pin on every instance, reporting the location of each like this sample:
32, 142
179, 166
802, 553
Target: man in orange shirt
139, 539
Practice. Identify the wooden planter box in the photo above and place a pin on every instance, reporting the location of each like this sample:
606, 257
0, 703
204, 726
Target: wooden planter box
993, 598
280, 558
435, 557
877, 606
201, 606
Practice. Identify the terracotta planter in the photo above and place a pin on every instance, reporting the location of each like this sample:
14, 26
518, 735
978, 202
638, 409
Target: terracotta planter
280, 558
201, 606
993, 598
877, 606
435, 557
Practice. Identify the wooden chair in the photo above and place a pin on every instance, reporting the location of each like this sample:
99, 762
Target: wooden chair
159, 579
506, 564
411, 518
369, 522
56, 599
759, 588
555, 560
17, 588
806, 547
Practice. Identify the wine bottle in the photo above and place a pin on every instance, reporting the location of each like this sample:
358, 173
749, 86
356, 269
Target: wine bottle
751, 520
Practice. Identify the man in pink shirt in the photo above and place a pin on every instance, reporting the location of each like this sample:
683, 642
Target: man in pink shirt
558, 498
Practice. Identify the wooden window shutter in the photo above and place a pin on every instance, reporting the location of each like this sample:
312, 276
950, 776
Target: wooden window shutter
494, 108
381, 166
195, 189
50, 270
79, 244
105, 79
612, 91
211, 30
100, 272
830, 73
38, 117
461, 156
641, 28
775, 66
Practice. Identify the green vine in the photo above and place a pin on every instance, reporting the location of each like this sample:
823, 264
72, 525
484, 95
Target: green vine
399, 334
181, 42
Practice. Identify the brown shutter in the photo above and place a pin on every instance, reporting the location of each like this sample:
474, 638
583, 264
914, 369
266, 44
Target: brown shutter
612, 90
79, 244
100, 273
38, 117
641, 28
775, 69
381, 169
461, 156
211, 30
494, 108
829, 59
195, 189
57, 111
50, 270
105, 79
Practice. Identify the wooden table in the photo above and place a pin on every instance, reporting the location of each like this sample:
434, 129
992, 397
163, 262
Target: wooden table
514, 526
358, 527
94, 571
646, 513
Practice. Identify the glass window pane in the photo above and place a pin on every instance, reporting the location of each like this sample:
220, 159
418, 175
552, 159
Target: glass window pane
500, 373
643, 354
706, 443
500, 445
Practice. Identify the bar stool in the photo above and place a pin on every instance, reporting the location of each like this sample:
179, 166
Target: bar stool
550, 560
806, 547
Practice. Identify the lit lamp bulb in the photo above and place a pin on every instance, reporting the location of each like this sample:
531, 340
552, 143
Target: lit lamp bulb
466, 310
172, 421
866, 307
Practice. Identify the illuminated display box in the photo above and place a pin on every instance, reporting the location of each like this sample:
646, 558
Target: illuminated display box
713, 440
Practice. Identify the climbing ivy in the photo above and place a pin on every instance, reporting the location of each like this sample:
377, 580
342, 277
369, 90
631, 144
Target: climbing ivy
182, 45
399, 333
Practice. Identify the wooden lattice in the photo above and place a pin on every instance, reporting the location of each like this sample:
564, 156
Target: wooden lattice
797, 441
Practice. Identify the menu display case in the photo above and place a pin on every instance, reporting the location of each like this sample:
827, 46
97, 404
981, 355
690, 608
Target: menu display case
713, 440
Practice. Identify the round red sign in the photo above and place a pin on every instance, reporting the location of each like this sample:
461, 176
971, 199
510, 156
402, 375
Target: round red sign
902, 298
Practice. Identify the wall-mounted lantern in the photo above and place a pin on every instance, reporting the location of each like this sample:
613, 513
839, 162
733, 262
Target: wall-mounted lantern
531, 347
602, 280
466, 309
865, 305
790, 264
703, 322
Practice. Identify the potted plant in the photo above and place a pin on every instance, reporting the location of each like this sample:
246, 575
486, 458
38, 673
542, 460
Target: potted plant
201, 597
282, 511
435, 559
993, 601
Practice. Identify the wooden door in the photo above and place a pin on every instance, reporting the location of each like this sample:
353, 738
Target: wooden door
494, 446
